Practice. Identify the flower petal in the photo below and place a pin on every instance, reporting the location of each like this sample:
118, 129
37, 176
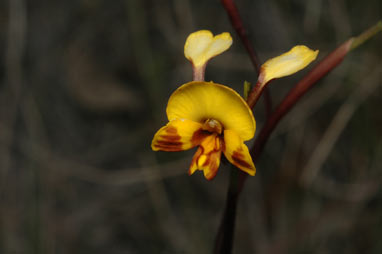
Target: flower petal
178, 135
201, 46
207, 157
288, 63
199, 101
237, 152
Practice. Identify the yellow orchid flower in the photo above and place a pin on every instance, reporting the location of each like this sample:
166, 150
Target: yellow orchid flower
213, 117
201, 46
287, 64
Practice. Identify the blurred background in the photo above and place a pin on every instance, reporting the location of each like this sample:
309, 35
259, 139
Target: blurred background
84, 86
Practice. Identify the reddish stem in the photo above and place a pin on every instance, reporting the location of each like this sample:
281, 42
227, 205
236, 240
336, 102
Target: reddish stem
257, 90
237, 24
254, 95
225, 235
224, 240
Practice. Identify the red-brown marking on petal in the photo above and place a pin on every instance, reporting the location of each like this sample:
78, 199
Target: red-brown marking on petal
208, 155
222, 143
172, 134
237, 157
169, 141
173, 143
214, 166
168, 145
171, 137
171, 129
198, 136
213, 172
217, 149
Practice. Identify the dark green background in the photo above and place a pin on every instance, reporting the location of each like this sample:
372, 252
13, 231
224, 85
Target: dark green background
83, 89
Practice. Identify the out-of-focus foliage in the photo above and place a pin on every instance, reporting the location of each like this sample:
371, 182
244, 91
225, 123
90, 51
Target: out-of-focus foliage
84, 86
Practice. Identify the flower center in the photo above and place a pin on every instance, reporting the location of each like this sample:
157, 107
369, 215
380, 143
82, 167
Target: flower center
212, 126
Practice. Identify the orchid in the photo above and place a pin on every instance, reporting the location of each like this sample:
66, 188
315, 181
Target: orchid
213, 117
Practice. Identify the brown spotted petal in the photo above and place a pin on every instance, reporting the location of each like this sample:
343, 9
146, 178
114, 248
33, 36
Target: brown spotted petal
207, 157
237, 152
178, 135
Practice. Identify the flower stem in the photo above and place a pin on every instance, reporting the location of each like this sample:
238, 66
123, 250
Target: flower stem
198, 72
225, 235
234, 16
369, 33
237, 24
224, 238
254, 94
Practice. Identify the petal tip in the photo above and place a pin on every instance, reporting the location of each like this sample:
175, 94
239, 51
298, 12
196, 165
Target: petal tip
252, 171
209, 177
153, 147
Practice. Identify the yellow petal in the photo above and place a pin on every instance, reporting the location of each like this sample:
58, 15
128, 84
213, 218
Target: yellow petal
288, 63
237, 152
200, 101
201, 46
207, 157
178, 135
